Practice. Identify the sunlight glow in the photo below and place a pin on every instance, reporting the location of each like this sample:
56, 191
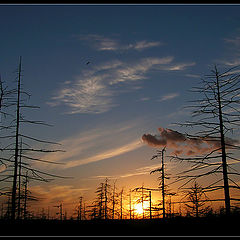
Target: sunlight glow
138, 208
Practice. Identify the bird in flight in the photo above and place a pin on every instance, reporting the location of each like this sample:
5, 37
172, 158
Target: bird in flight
87, 63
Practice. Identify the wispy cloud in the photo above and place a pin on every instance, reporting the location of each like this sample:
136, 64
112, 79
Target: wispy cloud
94, 90
143, 45
52, 195
106, 154
102, 43
104, 141
88, 95
234, 62
137, 70
140, 171
132, 173
193, 75
178, 67
144, 99
234, 41
168, 96
234, 46
136, 172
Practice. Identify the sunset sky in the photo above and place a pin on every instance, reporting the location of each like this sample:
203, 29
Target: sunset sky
104, 75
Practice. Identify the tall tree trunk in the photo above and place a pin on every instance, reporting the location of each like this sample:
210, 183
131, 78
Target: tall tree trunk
142, 203
150, 204
113, 200
106, 199
121, 204
130, 205
163, 186
223, 147
14, 187
25, 197
19, 182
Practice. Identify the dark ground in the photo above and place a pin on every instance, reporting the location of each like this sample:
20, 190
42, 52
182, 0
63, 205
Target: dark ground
211, 226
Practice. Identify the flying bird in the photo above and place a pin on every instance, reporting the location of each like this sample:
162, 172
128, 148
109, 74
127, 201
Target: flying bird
87, 63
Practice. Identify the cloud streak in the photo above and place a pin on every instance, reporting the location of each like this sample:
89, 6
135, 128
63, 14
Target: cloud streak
102, 43
106, 154
180, 144
138, 171
102, 139
53, 195
169, 96
234, 41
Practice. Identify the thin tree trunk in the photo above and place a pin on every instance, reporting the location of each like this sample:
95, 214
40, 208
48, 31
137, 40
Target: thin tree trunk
130, 205
142, 203
121, 204
150, 204
224, 158
113, 200
13, 210
106, 199
61, 214
25, 197
19, 182
163, 189
80, 209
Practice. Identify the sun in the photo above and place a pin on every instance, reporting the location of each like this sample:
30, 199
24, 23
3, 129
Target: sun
138, 208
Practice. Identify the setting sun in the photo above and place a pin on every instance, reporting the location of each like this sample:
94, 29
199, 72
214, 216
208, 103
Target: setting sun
138, 208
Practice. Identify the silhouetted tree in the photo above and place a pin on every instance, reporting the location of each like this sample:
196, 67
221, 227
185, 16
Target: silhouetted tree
144, 196
215, 114
98, 203
114, 199
162, 179
18, 167
197, 200
106, 197
79, 208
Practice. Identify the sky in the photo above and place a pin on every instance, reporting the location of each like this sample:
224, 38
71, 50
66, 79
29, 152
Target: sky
105, 75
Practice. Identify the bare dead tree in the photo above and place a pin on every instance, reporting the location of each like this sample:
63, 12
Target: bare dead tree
60, 213
19, 181
106, 197
130, 203
114, 200
215, 115
12, 158
79, 210
98, 203
162, 179
144, 196
197, 199
27, 196
6, 98
121, 204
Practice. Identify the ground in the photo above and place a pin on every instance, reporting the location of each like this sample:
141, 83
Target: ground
211, 226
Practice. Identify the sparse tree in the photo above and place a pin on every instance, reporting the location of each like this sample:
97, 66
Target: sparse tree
162, 179
98, 203
215, 115
13, 158
196, 200
107, 187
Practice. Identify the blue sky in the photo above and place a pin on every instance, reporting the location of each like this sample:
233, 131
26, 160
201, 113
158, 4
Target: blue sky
143, 60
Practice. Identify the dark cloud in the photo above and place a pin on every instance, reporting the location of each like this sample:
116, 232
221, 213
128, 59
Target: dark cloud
181, 144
